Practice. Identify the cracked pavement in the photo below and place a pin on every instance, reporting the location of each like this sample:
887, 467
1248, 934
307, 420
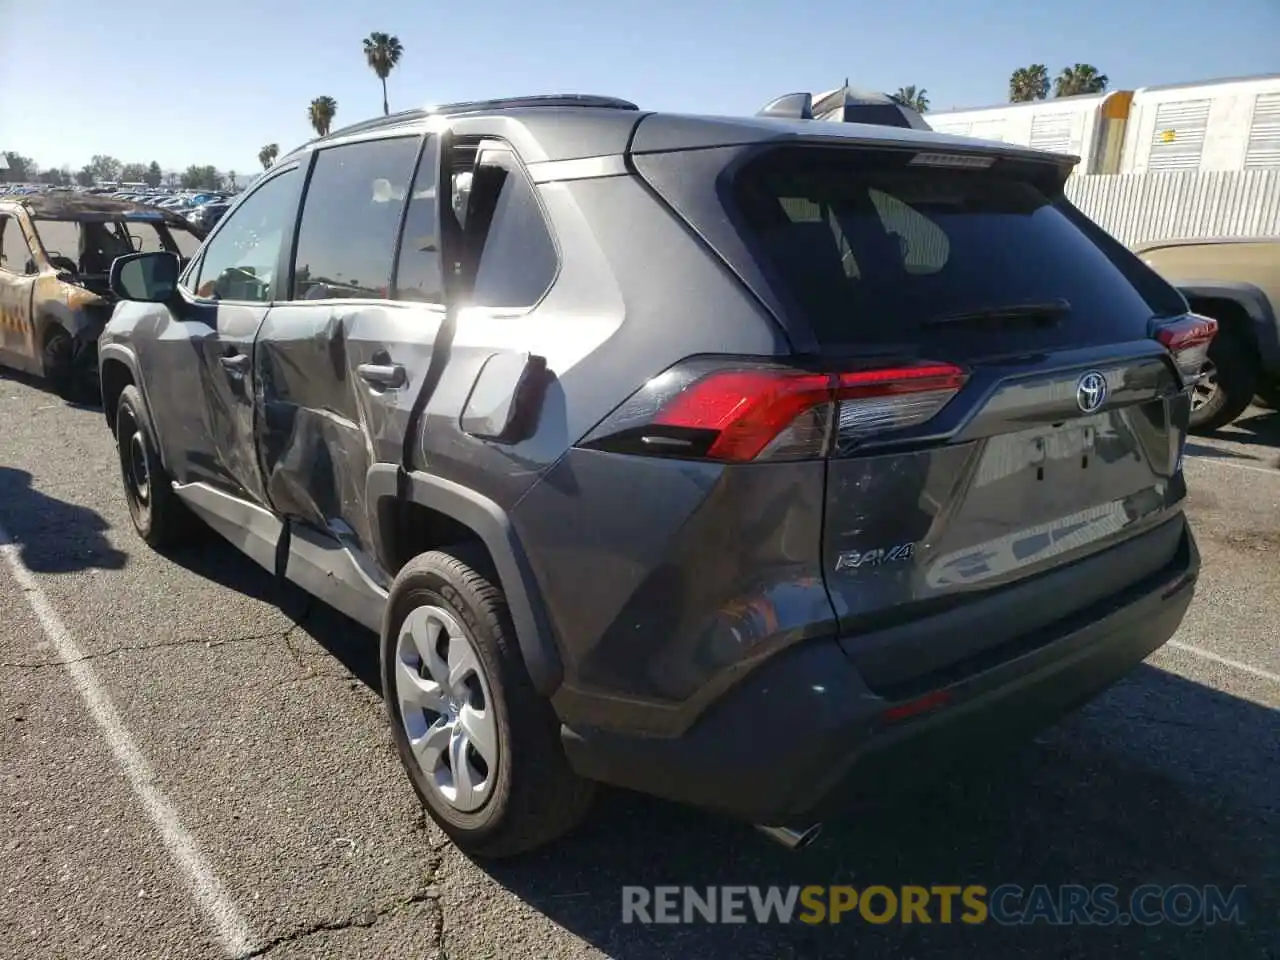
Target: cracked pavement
259, 712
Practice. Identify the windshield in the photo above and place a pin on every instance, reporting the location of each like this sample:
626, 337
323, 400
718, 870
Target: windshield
870, 248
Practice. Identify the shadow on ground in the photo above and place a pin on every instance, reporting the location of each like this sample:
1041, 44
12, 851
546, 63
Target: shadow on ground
53, 536
37, 383
354, 646
1255, 428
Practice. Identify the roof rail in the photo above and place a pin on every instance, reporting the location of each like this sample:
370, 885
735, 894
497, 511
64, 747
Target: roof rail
537, 100
476, 106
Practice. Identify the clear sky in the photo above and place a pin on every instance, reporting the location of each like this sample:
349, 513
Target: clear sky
184, 83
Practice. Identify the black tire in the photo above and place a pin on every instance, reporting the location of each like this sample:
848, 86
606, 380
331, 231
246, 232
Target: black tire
57, 358
536, 797
160, 518
1235, 382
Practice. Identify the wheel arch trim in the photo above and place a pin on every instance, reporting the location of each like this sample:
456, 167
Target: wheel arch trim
118, 353
534, 633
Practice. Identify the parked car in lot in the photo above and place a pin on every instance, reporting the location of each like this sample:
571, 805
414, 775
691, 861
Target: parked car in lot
1237, 282
206, 216
753, 463
55, 256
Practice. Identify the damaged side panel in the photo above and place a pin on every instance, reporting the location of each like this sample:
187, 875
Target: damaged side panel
337, 382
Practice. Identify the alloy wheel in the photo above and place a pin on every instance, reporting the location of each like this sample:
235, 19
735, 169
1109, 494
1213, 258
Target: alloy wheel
1206, 385
137, 473
446, 709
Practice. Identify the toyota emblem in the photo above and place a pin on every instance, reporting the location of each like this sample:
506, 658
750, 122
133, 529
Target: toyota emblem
1091, 391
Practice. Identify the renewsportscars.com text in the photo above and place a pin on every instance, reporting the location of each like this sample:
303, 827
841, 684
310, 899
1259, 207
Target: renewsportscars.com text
1007, 905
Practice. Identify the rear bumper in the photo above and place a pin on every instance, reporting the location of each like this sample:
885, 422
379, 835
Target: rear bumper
803, 737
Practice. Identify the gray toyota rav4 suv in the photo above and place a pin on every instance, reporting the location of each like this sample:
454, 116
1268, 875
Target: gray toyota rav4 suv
753, 463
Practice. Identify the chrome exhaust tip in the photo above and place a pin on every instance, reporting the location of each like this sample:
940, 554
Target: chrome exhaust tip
789, 837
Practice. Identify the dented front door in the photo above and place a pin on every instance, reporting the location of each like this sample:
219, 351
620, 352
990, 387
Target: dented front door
226, 356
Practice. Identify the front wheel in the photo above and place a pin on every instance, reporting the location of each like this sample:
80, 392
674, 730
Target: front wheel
160, 518
481, 746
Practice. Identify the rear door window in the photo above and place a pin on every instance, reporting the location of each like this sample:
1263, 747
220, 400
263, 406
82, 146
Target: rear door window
60, 239
870, 248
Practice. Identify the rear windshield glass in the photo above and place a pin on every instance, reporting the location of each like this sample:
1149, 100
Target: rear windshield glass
869, 247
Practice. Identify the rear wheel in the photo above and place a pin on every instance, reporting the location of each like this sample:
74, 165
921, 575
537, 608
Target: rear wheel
160, 518
1226, 386
481, 746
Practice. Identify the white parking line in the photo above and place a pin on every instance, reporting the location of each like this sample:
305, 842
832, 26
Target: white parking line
205, 887
1201, 458
1226, 661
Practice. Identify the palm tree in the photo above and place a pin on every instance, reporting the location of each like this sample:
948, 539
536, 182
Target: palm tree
1082, 78
321, 113
911, 98
1029, 83
267, 155
382, 52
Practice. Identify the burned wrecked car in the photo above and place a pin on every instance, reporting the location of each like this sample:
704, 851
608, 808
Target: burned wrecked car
56, 252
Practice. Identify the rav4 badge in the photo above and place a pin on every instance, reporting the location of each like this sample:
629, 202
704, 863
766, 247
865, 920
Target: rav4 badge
855, 559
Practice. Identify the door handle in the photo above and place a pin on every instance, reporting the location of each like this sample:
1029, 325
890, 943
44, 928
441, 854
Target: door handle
239, 363
382, 374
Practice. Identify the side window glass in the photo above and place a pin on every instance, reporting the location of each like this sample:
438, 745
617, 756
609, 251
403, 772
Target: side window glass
63, 243
15, 256
239, 261
517, 256
418, 269
145, 237
346, 241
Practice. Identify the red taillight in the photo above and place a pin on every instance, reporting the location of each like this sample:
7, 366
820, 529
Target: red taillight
746, 409
1188, 340
734, 411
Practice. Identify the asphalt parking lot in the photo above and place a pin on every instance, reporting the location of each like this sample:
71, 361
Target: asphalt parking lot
194, 762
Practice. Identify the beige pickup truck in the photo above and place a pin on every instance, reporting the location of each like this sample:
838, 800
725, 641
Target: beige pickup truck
1237, 282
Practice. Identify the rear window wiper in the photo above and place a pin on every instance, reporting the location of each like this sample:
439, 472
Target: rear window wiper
1035, 312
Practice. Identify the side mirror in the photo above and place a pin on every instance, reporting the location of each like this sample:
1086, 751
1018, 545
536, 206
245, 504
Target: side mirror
146, 277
